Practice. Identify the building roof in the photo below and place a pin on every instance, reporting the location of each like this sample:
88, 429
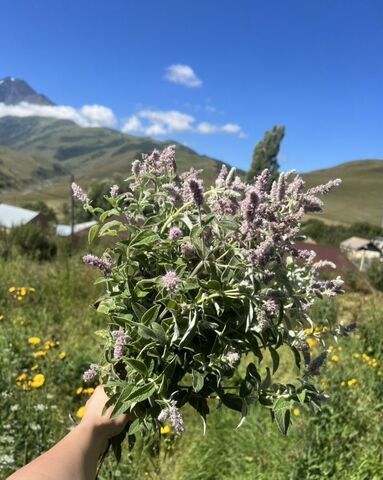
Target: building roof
330, 253
65, 230
11, 216
355, 243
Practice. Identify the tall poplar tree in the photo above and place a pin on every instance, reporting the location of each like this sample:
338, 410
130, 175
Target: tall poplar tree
266, 152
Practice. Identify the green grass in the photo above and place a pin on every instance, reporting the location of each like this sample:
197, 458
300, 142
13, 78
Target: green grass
359, 198
342, 442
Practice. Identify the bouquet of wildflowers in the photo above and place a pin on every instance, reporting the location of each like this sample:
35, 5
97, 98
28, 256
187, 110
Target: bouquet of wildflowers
203, 290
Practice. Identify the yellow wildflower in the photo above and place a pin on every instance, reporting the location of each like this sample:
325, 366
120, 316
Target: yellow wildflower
309, 331
34, 340
343, 384
352, 382
79, 391
31, 289
356, 355
23, 291
35, 367
165, 430
11, 289
296, 412
38, 381
62, 355
40, 353
311, 342
334, 358
22, 377
19, 298
1, 317
80, 412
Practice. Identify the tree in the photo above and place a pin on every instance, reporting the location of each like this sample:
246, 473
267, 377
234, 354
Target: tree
266, 152
42, 207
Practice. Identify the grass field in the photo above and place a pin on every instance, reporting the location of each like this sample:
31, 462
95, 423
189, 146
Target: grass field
342, 442
359, 198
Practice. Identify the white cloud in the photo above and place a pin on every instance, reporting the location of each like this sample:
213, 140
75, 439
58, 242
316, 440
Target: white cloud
148, 122
207, 128
183, 75
87, 116
164, 122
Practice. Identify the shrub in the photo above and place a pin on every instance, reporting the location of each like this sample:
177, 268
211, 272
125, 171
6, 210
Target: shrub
197, 281
375, 274
32, 241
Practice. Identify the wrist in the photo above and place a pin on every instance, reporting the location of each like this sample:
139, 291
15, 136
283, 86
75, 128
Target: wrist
95, 435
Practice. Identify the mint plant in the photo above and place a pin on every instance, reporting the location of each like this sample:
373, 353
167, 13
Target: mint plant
203, 290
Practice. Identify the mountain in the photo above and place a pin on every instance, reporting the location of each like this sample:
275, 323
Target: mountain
14, 91
91, 154
360, 196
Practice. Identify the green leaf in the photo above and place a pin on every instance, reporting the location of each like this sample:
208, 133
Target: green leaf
253, 375
105, 306
235, 402
275, 358
301, 396
135, 426
137, 365
267, 381
139, 394
109, 213
139, 310
210, 285
190, 332
92, 233
107, 227
281, 411
145, 237
159, 332
146, 332
198, 380
151, 315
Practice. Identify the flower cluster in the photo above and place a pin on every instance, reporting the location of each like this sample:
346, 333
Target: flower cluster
91, 373
201, 278
19, 293
104, 264
173, 415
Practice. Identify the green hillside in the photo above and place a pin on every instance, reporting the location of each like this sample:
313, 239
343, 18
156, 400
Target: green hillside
359, 198
89, 153
37, 155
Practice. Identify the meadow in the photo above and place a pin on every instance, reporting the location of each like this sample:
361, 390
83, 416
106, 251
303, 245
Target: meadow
47, 339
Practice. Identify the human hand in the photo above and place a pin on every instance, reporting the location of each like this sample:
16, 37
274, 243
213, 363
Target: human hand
93, 417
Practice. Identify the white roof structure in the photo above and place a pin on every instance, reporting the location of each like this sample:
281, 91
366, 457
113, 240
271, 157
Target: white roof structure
65, 230
355, 243
11, 216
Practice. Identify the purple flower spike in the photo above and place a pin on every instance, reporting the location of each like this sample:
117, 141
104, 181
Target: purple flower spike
114, 191
174, 416
80, 194
105, 263
196, 191
91, 373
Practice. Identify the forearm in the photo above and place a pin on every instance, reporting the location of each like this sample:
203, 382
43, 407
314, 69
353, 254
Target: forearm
73, 458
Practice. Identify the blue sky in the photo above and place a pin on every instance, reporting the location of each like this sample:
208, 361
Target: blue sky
315, 66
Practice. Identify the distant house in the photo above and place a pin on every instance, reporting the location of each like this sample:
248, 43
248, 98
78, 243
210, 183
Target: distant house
378, 242
361, 251
330, 253
11, 216
79, 229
